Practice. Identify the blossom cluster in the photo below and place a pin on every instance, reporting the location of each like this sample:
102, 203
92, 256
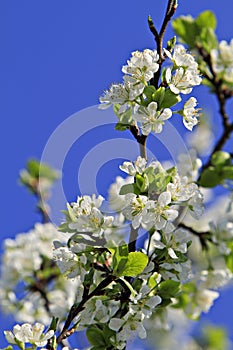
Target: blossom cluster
222, 60
137, 101
159, 204
26, 264
27, 333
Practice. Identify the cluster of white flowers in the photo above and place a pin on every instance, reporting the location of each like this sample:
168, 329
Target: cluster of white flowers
157, 213
97, 311
23, 262
138, 72
184, 75
222, 60
222, 233
189, 164
132, 323
131, 97
87, 218
28, 334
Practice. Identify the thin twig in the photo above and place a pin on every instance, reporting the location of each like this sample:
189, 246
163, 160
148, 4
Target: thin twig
76, 309
203, 236
133, 239
171, 9
141, 140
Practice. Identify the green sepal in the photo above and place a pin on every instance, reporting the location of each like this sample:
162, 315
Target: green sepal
171, 43
54, 324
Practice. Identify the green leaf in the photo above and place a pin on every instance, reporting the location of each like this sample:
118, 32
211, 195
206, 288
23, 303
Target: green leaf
142, 182
121, 127
158, 96
129, 188
135, 264
120, 257
199, 30
227, 172
221, 158
207, 39
215, 337
95, 336
170, 99
64, 227
206, 19
186, 28
149, 91
129, 286
209, 178
125, 118
169, 289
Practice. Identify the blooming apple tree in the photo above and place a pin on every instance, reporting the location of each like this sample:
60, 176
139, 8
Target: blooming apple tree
90, 273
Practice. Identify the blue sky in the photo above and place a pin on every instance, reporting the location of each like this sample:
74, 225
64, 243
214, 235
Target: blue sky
56, 59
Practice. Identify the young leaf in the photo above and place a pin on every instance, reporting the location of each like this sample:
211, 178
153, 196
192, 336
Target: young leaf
221, 158
95, 336
185, 27
227, 172
121, 127
135, 264
206, 19
169, 289
209, 178
120, 257
170, 99
129, 188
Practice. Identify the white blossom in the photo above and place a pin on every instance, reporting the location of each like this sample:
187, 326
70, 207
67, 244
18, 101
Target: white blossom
135, 208
181, 57
189, 164
142, 65
222, 60
181, 188
132, 168
214, 279
117, 94
87, 218
190, 114
151, 118
204, 299
28, 333
183, 80
185, 74
70, 264
116, 201
222, 232
158, 213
